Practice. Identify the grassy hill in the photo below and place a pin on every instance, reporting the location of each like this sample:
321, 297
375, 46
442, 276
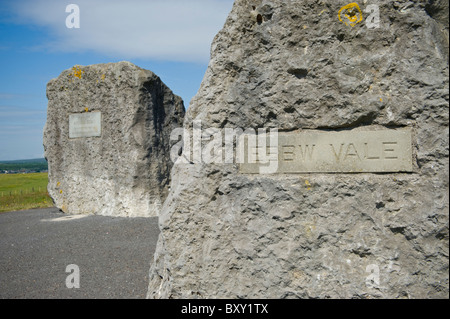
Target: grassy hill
24, 191
27, 188
31, 165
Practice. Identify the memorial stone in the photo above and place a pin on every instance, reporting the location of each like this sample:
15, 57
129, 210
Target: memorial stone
107, 140
365, 83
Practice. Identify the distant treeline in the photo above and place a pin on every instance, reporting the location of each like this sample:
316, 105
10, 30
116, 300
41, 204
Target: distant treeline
32, 165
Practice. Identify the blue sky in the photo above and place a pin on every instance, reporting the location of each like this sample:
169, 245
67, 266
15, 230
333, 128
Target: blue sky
169, 37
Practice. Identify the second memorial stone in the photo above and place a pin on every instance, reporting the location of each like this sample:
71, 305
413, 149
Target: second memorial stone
107, 139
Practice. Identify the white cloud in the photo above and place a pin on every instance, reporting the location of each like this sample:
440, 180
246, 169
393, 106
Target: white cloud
177, 30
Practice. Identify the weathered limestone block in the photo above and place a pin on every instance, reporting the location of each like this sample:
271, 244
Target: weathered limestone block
107, 139
294, 66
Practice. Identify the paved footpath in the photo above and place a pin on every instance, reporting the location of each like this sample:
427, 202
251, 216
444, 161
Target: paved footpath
113, 255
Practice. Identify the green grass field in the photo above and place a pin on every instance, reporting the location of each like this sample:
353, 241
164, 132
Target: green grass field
24, 191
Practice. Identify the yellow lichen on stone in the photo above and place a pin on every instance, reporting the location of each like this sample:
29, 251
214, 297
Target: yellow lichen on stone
77, 72
308, 185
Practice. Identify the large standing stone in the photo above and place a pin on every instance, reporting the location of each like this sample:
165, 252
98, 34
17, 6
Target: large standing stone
107, 139
293, 65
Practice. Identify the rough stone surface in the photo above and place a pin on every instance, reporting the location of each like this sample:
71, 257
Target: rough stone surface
125, 171
293, 65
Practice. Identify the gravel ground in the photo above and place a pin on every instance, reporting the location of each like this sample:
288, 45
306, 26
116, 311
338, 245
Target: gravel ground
113, 255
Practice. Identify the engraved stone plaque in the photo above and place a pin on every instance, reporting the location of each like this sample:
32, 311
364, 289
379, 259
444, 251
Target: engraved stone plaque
356, 151
85, 125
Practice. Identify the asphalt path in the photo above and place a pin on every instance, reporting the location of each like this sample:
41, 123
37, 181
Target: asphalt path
112, 255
